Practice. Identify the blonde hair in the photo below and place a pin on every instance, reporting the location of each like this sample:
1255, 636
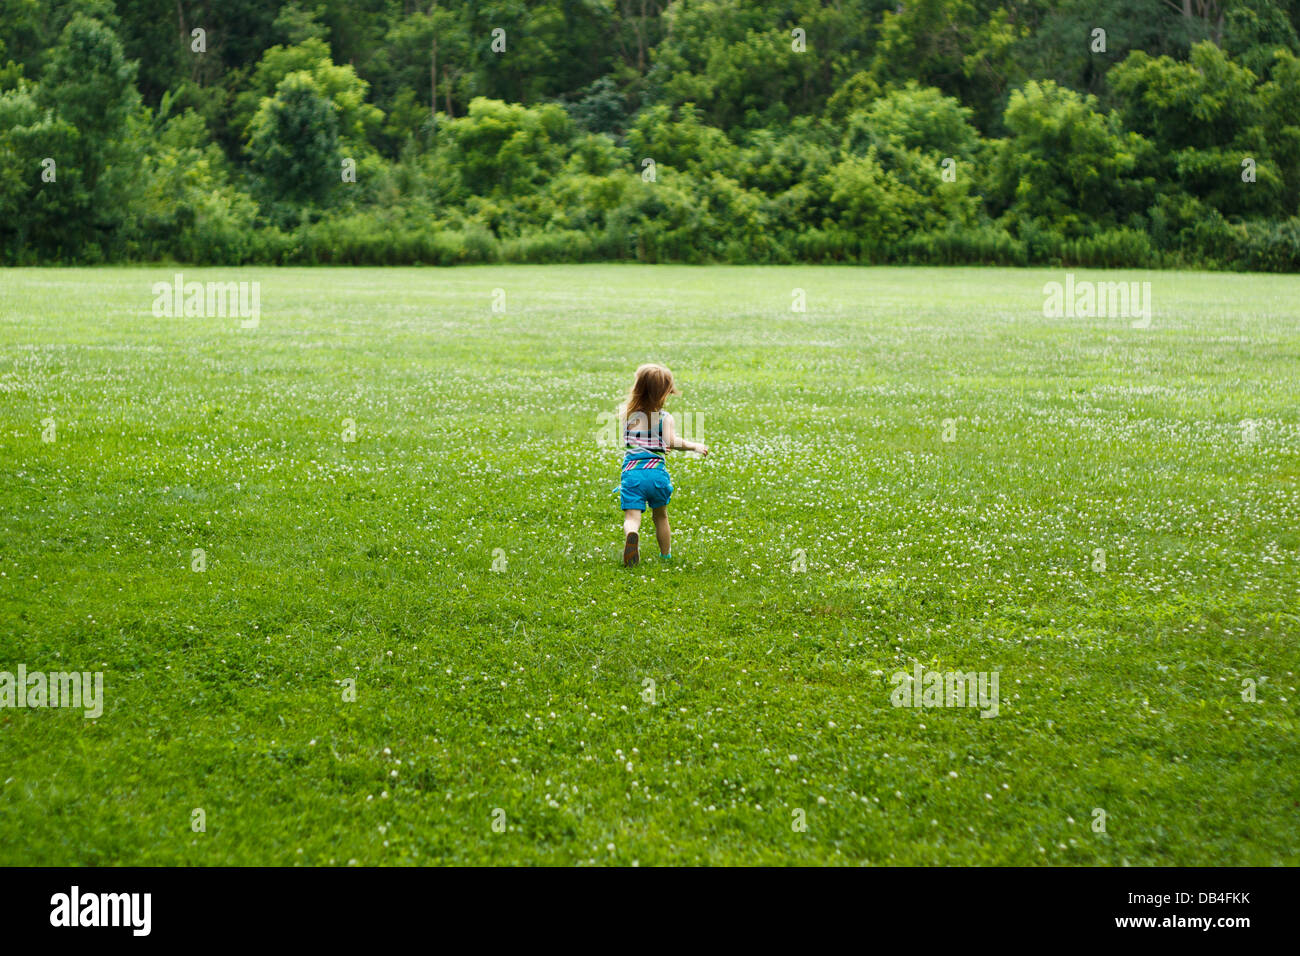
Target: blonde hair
650, 389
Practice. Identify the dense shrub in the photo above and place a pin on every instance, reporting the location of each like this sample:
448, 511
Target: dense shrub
985, 244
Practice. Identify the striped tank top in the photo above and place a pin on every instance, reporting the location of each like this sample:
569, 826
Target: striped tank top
643, 436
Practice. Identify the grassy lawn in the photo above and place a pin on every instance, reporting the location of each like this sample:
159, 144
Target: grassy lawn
459, 562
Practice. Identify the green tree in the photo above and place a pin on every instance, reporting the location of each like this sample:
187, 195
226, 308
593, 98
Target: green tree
914, 118
743, 65
504, 150
358, 121
681, 139
1280, 105
966, 48
1064, 45
185, 205
1205, 118
1205, 102
1068, 169
78, 119
1254, 30
34, 213
294, 144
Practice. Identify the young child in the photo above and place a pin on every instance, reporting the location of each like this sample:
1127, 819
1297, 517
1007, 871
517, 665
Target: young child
648, 433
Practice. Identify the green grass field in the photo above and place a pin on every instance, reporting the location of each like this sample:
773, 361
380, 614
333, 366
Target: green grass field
459, 562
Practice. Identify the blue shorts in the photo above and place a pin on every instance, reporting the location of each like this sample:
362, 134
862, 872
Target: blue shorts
645, 486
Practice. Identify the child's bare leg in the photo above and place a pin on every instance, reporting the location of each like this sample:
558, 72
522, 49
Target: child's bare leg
631, 540
662, 531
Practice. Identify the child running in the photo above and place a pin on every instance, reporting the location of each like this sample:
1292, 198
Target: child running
648, 433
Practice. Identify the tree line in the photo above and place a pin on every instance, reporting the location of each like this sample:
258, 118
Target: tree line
1093, 132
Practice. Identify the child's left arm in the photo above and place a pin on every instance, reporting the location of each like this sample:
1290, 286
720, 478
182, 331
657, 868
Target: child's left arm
671, 440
